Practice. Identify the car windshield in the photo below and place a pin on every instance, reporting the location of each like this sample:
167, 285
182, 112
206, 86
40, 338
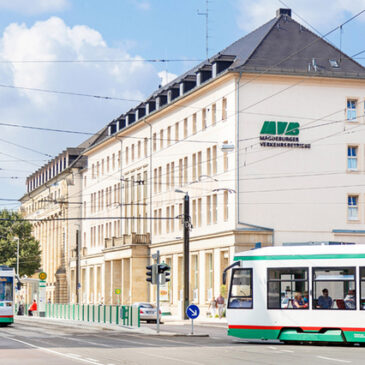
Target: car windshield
146, 305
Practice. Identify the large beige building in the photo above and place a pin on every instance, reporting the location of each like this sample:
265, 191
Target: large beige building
289, 104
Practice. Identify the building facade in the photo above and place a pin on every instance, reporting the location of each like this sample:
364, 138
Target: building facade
266, 139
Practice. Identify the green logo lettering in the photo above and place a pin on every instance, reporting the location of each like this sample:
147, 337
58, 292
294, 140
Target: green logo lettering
268, 128
293, 129
281, 127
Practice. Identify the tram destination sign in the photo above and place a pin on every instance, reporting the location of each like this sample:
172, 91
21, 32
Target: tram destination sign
281, 134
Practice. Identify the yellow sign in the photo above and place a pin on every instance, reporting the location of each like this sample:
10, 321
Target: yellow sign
117, 291
42, 276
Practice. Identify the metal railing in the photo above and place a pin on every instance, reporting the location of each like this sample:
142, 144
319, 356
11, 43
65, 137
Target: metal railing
125, 315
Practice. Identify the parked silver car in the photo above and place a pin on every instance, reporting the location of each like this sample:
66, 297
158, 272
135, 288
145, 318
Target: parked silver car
147, 312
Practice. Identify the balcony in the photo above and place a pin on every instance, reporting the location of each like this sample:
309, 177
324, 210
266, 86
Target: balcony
128, 239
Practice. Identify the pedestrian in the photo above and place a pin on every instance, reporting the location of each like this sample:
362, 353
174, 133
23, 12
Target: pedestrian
21, 309
212, 307
32, 308
220, 303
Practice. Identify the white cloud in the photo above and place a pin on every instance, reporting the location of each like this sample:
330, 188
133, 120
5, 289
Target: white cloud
31, 7
54, 40
166, 77
142, 4
325, 14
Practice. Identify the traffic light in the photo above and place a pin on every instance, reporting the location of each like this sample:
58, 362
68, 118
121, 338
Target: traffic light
164, 269
152, 274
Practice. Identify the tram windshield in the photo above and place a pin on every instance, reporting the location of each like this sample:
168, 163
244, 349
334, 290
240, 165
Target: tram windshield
6, 289
240, 295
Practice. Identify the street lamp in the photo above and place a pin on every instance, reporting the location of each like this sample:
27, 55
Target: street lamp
187, 226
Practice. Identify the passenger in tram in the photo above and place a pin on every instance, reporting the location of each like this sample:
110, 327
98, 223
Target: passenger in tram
350, 299
241, 303
306, 297
298, 301
324, 301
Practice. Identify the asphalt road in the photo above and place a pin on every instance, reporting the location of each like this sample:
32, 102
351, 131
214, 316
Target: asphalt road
37, 343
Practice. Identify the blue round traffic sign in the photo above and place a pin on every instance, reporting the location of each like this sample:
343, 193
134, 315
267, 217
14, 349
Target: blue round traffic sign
192, 311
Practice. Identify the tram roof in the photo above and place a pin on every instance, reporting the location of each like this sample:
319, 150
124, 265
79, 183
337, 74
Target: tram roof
302, 252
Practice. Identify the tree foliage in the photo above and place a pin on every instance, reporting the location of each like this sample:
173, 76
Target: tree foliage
29, 250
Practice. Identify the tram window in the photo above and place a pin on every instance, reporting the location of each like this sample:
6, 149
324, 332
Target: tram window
287, 288
334, 288
6, 289
362, 287
240, 295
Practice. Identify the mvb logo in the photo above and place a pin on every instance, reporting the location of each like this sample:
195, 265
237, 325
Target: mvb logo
280, 128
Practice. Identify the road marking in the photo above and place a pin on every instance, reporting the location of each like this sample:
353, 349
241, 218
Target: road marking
90, 359
286, 351
53, 352
272, 348
331, 359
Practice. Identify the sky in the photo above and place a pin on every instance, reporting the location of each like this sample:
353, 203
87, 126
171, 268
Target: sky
130, 32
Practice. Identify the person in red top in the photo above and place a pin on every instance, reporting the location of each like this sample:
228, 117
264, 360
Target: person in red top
32, 308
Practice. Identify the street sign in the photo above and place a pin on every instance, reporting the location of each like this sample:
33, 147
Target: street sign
117, 291
192, 311
42, 276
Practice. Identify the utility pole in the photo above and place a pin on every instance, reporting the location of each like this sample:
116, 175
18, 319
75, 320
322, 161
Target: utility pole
17, 255
206, 14
77, 267
186, 252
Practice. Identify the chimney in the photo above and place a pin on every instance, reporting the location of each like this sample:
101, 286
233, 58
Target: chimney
283, 11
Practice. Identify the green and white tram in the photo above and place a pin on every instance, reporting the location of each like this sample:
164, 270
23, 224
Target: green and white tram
298, 293
7, 307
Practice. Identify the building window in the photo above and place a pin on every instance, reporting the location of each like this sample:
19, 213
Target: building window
194, 123
352, 207
240, 294
194, 213
334, 288
126, 155
199, 212
155, 221
168, 136
351, 109
214, 114
159, 179
209, 162
225, 158
209, 210
168, 176
180, 171
177, 132
119, 159
154, 142
185, 127
204, 119
93, 171
199, 164
215, 215
193, 175
139, 149
113, 161
224, 109
287, 288
214, 159
172, 179
97, 169
167, 219
108, 164
172, 223
352, 158
181, 219
102, 167
145, 147
155, 180
185, 170
225, 206
161, 139
132, 153
195, 277
209, 277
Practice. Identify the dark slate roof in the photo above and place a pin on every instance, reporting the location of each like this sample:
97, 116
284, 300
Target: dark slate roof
283, 46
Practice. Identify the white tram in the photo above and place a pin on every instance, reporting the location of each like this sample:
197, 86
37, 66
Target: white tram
298, 293
7, 307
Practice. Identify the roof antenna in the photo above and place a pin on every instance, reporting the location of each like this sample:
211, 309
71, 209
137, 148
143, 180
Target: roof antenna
206, 14
340, 42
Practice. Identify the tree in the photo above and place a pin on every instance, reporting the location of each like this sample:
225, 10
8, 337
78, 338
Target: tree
11, 228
